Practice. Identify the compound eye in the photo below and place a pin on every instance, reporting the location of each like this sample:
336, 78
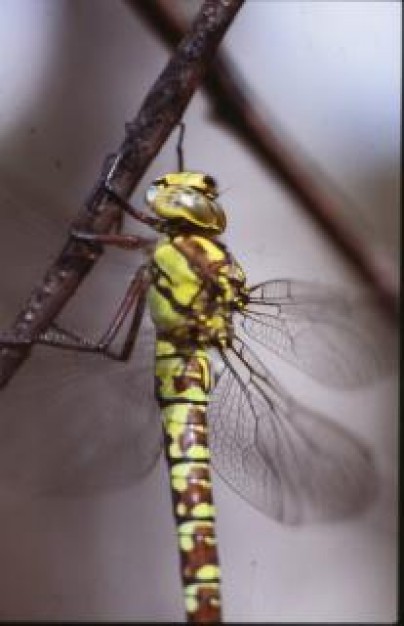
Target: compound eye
151, 194
210, 181
188, 199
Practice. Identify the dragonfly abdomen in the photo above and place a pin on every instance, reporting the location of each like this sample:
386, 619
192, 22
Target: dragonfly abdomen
195, 287
183, 384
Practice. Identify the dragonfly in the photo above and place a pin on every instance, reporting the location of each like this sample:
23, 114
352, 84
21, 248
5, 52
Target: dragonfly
192, 318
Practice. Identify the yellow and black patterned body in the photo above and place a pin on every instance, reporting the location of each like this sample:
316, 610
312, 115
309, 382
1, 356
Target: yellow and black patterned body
196, 286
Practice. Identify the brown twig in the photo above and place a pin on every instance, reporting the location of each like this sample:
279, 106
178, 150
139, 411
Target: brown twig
233, 106
159, 114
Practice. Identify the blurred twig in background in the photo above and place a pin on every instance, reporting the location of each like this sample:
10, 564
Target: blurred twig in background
234, 107
160, 113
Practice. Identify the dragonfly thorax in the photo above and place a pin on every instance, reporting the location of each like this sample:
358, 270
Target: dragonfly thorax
187, 199
196, 287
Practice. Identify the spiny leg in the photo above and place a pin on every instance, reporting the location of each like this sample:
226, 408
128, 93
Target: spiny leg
134, 299
112, 162
138, 287
121, 239
127, 242
137, 214
57, 336
135, 296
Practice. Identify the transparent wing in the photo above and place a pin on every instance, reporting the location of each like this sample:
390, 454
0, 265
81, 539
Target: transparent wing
75, 424
72, 423
27, 238
340, 341
293, 464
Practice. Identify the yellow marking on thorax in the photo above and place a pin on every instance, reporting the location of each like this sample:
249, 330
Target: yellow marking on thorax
161, 310
213, 251
183, 283
165, 347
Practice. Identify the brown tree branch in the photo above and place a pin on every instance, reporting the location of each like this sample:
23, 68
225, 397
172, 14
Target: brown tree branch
233, 106
159, 114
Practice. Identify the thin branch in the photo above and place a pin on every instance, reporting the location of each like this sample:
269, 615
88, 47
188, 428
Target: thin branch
233, 106
159, 114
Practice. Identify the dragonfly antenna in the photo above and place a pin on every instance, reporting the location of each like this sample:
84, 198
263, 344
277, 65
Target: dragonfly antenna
180, 152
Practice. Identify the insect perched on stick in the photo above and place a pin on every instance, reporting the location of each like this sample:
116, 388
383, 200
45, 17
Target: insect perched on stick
288, 461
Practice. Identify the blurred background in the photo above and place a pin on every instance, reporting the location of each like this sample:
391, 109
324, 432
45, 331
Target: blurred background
80, 538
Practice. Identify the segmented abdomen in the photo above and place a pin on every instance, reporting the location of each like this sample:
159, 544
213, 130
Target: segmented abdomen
183, 384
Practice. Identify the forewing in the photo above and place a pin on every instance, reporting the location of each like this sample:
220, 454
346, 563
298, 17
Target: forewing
76, 423
293, 464
339, 340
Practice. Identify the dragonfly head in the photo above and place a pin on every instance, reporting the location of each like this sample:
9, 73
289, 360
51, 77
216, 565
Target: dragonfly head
187, 197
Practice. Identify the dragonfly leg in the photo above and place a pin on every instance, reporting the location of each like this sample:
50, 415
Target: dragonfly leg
119, 223
59, 337
128, 242
135, 298
137, 214
8, 340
